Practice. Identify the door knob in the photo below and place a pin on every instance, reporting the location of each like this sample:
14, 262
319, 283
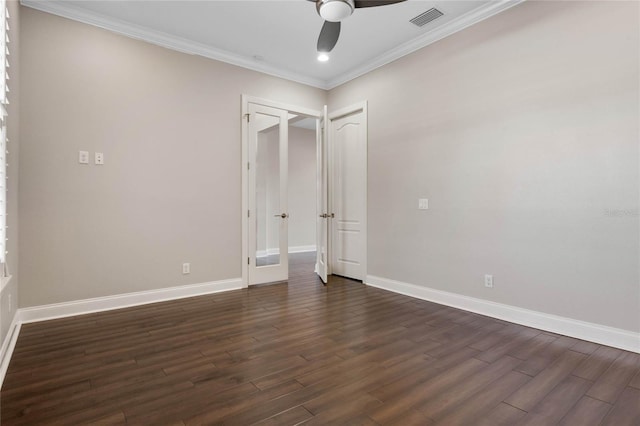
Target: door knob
324, 215
283, 215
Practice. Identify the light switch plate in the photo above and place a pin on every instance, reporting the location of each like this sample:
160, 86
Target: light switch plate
488, 281
423, 204
83, 157
99, 158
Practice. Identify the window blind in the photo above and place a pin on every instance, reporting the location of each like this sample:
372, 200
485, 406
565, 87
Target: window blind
4, 102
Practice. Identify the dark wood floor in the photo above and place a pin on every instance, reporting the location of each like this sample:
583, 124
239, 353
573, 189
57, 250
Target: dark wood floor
304, 353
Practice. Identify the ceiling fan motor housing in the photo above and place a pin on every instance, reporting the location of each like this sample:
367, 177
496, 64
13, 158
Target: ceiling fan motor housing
335, 10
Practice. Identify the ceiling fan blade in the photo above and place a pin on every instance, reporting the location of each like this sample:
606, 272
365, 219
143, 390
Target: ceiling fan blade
374, 3
328, 36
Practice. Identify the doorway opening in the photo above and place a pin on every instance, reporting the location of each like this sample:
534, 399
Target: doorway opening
303, 160
305, 199
280, 190
301, 194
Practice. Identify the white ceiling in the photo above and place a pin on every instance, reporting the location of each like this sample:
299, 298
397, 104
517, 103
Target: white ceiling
278, 36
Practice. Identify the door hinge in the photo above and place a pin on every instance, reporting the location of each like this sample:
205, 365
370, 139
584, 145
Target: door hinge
248, 261
248, 213
248, 116
248, 166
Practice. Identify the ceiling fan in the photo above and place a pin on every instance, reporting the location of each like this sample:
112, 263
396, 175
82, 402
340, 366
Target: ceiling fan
334, 11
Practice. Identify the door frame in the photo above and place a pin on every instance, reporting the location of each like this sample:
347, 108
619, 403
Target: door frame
342, 112
292, 109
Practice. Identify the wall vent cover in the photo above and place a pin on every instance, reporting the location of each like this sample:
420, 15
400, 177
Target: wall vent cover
426, 17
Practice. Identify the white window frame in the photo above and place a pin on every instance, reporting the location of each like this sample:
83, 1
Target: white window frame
4, 102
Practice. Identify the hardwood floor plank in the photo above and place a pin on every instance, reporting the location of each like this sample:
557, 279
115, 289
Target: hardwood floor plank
117, 418
480, 405
344, 391
409, 418
394, 407
214, 412
592, 367
495, 338
508, 344
270, 408
537, 388
173, 407
438, 405
293, 416
345, 409
502, 415
613, 381
587, 412
547, 355
558, 403
626, 412
531, 347
404, 384
278, 377
586, 348
635, 382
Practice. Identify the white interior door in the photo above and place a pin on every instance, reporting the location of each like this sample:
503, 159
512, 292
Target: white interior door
268, 185
322, 227
348, 154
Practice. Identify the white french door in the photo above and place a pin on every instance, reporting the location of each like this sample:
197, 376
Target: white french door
322, 203
341, 190
268, 186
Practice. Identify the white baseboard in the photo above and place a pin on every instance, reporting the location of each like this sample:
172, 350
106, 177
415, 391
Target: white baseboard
8, 345
302, 249
118, 301
610, 336
294, 249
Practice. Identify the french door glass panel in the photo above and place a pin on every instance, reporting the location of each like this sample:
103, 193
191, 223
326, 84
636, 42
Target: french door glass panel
268, 230
268, 219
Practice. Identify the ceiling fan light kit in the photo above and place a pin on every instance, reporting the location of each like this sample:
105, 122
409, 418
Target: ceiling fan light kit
335, 10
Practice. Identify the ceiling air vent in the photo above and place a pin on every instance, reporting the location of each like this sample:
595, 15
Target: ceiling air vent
426, 17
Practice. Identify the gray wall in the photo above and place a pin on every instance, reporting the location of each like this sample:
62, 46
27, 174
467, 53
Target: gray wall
523, 133
302, 187
169, 192
13, 132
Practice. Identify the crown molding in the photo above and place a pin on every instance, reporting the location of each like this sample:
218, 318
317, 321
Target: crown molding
472, 17
168, 41
194, 48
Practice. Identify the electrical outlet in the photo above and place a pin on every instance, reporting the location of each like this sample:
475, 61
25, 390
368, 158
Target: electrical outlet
423, 204
99, 158
186, 268
488, 281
